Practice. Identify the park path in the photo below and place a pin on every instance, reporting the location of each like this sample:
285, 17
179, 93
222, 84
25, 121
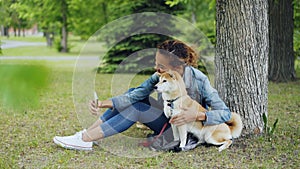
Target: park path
5, 44
14, 44
50, 58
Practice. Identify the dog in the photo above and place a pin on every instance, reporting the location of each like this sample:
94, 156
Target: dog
175, 97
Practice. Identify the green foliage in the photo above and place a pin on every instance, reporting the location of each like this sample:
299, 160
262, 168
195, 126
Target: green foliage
269, 131
57, 44
172, 3
115, 58
21, 85
10, 12
135, 43
59, 47
201, 13
86, 18
296, 4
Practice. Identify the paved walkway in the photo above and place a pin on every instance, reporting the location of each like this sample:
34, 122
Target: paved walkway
14, 44
50, 58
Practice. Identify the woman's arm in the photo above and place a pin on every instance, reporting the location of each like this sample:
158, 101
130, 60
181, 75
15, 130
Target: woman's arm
219, 112
139, 93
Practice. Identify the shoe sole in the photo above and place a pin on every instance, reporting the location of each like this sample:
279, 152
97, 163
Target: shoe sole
71, 147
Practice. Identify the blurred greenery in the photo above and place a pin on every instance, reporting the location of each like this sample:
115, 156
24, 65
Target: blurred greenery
296, 4
21, 85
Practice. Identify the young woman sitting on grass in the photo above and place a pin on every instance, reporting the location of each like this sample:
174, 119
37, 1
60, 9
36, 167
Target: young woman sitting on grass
125, 110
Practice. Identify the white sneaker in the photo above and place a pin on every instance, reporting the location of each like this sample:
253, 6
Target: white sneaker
73, 142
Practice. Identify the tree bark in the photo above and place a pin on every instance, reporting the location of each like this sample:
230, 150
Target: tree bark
6, 31
281, 58
64, 38
242, 59
49, 37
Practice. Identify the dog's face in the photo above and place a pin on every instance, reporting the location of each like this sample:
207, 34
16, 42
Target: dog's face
167, 82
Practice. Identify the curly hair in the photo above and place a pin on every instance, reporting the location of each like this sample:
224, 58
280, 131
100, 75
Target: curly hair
179, 49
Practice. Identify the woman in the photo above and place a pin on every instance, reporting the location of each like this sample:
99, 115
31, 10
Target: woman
124, 110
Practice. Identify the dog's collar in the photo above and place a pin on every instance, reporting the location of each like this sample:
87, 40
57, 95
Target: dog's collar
170, 102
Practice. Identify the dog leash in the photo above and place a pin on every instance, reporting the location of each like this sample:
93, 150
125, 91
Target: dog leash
148, 143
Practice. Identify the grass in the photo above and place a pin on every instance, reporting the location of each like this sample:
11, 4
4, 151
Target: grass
25, 39
26, 134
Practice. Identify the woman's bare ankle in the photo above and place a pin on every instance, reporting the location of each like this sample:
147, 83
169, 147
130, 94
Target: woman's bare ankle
92, 135
85, 137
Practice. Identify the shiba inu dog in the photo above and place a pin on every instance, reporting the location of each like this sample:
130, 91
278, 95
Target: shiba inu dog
175, 97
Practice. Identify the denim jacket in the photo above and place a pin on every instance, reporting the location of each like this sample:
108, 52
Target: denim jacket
198, 88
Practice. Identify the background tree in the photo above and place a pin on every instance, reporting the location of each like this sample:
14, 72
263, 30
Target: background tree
88, 17
64, 28
296, 40
10, 17
201, 13
281, 53
4, 17
128, 46
242, 59
51, 16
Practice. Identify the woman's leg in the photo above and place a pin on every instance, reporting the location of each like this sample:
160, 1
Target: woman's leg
113, 122
95, 124
94, 132
140, 111
109, 113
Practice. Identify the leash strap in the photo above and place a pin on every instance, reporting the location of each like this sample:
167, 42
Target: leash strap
148, 143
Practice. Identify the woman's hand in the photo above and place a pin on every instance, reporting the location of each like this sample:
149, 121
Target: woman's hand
187, 115
94, 107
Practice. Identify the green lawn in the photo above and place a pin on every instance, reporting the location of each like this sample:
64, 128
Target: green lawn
25, 39
26, 134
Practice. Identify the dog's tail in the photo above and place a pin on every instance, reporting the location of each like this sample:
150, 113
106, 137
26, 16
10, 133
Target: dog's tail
235, 124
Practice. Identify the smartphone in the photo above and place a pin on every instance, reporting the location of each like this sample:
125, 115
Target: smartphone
96, 98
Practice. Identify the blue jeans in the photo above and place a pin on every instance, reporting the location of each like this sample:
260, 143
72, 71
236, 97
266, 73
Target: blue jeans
150, 115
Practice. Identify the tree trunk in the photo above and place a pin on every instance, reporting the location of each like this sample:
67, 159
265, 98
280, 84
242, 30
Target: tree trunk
49, 37
281, 58
242, 59
2, 30
19, 32
104, 11
6, 31
64, 36
15, 32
